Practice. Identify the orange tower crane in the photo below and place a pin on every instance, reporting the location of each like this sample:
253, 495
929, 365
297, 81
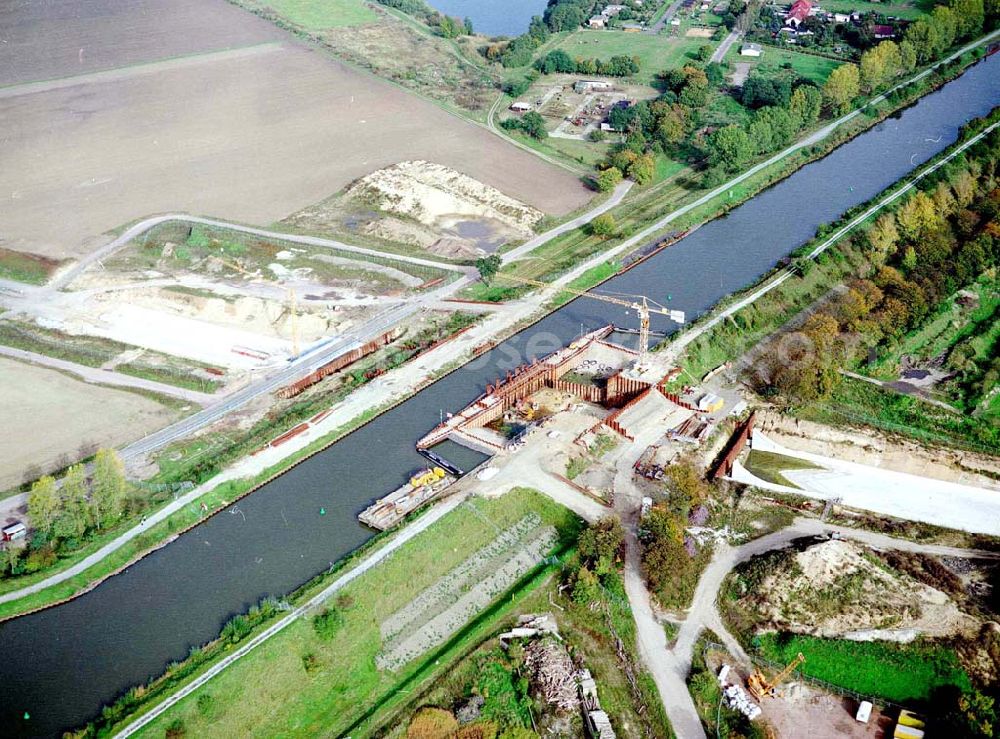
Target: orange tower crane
642, 305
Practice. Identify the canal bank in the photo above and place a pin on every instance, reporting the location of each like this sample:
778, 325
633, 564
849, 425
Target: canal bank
85, 652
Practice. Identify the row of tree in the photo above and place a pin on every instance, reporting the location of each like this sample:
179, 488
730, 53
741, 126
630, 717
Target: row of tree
559, 61
61, 514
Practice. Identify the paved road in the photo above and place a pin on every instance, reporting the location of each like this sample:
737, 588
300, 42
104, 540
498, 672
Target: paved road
422, 523
108, 377
65, 278
904, 388
617, 195
723, 49
665, 18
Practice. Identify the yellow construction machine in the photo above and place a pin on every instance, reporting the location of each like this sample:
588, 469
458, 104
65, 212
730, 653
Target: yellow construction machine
761, 687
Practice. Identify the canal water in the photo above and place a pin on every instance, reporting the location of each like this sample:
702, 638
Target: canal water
493, 17
62, 664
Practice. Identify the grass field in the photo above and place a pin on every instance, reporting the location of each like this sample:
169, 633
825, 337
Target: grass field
270, 692
899, 673
656, 53
317, 16
909, 11
30, 268
769, 466
815, 68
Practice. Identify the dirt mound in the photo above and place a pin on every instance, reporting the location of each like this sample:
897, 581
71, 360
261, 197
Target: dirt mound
440, 197
840, 588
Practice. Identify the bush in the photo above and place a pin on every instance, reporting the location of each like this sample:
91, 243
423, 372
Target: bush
309, 663
236, 629
327, 623
432, 723
176, 729
206, 704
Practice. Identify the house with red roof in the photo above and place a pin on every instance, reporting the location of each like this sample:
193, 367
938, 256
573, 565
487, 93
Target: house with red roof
800, 10
884, 32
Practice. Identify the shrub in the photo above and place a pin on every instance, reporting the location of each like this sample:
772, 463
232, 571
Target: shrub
176, 729
327, 623
432, 723
309, 663
206, 704
236, 629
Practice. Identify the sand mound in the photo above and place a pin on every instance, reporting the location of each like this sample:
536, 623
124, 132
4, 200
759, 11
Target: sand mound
437, 195
840, 588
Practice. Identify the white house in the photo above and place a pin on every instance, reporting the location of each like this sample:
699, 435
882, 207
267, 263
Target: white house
751, 50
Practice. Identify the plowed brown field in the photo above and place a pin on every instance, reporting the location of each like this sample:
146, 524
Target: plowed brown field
159, 117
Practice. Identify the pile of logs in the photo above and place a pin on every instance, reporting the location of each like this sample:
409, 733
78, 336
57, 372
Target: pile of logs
553, 673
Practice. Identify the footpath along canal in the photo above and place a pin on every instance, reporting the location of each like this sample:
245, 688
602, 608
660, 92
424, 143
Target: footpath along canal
64, 663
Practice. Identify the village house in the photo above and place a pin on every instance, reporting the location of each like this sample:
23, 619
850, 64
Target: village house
520, 107
751, 50
800, 10
883, 32
597, 21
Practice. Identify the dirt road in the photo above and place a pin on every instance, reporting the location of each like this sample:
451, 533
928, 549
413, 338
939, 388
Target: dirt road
723, 49
668, 674
108, 377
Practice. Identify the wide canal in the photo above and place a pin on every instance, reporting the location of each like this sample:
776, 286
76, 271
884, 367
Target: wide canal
61, 665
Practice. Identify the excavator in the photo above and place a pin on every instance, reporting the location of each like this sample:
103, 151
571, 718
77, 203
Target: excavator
642, 305
761, 687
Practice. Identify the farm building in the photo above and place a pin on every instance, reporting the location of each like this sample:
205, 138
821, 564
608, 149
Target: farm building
597, 21
632, 27
751, 50
520, 107
590, 86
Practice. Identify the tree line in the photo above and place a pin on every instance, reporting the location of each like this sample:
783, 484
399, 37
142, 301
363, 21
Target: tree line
62, 515
445, 25
778, 106
939, 239
559, 61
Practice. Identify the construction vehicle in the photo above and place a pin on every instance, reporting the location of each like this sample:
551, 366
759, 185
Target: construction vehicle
909, 726
761, 687
642, 305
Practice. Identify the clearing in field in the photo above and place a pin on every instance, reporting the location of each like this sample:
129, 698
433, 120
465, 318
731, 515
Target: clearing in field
656, 52
54, 418
810, 66
319, 676
250, 135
